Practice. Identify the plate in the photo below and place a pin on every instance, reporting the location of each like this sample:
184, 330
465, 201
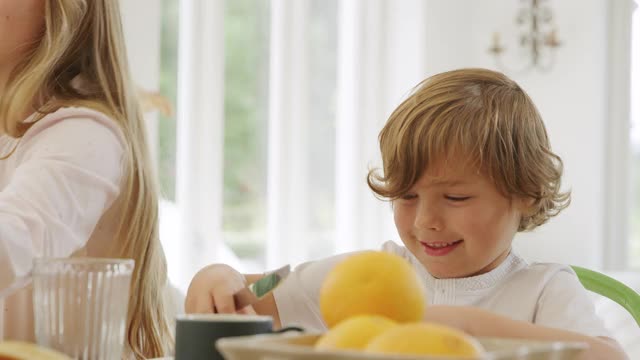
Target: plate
290, 346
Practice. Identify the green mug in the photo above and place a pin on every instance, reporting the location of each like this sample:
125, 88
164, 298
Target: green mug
196, 334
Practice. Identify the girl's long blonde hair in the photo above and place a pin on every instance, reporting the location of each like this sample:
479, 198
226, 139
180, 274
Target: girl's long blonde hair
82, 39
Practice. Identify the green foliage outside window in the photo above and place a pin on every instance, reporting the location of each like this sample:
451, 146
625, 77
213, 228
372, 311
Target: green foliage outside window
245, 111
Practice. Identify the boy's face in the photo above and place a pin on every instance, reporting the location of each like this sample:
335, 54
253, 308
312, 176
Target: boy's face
456, 222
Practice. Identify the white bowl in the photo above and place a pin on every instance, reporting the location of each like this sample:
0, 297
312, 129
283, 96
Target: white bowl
292, 346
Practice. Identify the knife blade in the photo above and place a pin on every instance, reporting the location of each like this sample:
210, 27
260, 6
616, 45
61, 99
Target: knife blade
256, 291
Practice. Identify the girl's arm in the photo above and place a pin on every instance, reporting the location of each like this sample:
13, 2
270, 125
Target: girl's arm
479, 322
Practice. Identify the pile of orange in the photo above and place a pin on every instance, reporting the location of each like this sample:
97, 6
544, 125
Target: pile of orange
375, 302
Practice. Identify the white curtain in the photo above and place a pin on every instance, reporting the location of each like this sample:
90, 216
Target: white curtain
287, 185
380, 56
198, 237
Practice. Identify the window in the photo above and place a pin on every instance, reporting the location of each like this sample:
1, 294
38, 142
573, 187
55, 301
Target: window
249, 79
246, 95
634, 221
250, 161
302, 88
168, 87
320, 153
250, 76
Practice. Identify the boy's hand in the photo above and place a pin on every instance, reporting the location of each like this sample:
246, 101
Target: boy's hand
212, 289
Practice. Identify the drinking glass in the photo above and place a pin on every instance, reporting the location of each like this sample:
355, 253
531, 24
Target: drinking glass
81, 304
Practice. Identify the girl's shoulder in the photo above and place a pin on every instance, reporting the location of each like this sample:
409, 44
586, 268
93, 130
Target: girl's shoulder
68, 128
81, 136
73, 119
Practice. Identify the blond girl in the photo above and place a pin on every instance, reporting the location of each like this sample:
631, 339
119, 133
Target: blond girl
75, 174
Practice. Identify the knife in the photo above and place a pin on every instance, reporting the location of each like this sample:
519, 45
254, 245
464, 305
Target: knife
256, 291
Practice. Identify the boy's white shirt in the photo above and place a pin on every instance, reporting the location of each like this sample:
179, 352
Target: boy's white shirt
540, 293
59, 197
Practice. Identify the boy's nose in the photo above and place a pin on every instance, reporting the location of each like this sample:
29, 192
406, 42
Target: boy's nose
428, 218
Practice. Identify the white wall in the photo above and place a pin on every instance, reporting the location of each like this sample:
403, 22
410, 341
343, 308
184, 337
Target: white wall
571, 97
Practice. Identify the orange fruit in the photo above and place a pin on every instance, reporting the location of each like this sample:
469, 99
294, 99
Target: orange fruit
425, 339
373, 283
354, 332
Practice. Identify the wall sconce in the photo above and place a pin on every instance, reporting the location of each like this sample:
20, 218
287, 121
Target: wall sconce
538, 37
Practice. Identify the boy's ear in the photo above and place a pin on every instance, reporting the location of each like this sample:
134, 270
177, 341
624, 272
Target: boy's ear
525, 205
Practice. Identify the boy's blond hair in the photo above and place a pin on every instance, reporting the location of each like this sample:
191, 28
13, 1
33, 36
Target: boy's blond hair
479, 118
83, 40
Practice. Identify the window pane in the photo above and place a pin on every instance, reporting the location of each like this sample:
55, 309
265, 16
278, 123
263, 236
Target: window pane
168, 88
246, 113
322, 139
635, 141
246, 116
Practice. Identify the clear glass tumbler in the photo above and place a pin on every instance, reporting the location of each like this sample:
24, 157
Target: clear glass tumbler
80, 305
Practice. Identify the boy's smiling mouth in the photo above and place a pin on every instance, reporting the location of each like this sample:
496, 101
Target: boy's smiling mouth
439, 248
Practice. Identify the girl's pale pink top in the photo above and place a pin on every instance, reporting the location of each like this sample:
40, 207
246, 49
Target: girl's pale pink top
59, 197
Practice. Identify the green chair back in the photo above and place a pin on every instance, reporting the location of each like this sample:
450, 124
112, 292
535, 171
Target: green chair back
610, 288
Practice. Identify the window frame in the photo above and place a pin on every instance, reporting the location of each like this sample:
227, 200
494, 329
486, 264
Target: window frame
616, 239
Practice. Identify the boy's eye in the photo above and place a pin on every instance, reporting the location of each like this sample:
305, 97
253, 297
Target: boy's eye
408, 196
457, 198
